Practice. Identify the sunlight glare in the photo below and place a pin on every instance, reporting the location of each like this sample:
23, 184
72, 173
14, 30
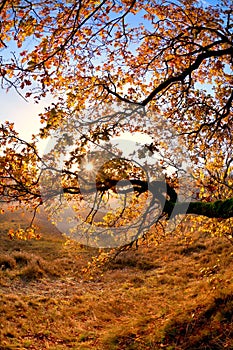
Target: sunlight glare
89, 166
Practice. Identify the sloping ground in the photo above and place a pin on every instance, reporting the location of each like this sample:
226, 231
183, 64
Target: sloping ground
166, 297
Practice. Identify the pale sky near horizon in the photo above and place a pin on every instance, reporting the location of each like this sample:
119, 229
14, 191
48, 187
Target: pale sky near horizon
23, 114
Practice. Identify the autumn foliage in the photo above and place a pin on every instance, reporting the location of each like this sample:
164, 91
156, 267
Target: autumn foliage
157, 62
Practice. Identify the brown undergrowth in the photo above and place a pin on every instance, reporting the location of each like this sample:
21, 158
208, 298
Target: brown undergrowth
169, 296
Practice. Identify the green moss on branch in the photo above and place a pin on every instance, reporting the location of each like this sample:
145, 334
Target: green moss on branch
219, 209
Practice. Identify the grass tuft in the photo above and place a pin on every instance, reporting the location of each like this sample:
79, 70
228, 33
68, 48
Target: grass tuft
7, 262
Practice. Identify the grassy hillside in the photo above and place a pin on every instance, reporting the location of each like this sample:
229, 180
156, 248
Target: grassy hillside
166, 297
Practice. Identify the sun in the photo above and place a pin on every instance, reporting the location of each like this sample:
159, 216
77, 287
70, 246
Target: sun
89, 166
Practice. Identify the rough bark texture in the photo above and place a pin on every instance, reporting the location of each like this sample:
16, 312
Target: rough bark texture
219, 209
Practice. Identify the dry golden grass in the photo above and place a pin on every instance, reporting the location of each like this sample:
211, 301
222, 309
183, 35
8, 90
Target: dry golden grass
166, 297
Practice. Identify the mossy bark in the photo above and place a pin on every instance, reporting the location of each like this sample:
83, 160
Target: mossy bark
218, 209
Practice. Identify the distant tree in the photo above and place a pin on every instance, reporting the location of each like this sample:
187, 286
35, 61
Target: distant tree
168, 60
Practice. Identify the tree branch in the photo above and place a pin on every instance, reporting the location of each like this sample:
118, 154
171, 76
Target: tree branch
186, 72
219, 209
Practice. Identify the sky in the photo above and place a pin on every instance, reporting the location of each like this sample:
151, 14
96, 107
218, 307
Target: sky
24, 114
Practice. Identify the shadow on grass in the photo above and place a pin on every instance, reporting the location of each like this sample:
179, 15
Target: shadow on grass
210, 328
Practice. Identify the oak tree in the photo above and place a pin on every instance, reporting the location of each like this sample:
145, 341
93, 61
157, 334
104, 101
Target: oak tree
161, 68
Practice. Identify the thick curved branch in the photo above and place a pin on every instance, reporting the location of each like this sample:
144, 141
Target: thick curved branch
186, 72
218, 209
167, 196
